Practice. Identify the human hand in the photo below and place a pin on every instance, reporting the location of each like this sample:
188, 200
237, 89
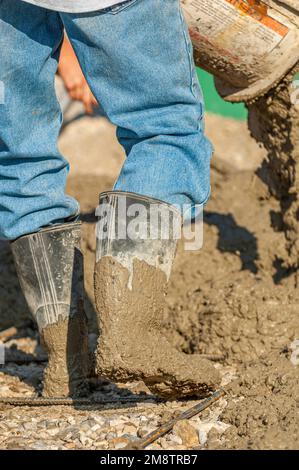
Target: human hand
73, 78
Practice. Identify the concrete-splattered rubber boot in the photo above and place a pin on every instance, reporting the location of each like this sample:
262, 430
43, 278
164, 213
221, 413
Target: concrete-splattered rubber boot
50, 269
136, 246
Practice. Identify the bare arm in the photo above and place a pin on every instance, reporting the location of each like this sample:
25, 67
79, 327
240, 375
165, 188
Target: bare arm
73, 78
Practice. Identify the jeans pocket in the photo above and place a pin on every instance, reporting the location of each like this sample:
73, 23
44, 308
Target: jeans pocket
120, 7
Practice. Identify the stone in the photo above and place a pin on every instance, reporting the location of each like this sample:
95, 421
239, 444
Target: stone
142, 432
175, 439
118, 443
85, 441
102, 445
40, 445
130, 429
187, 433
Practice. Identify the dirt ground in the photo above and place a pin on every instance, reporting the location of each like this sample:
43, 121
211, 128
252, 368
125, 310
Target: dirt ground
233, 298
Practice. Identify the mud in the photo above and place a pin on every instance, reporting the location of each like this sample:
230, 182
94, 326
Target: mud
131, 346
68, 358
235, 297
262, 407
242, 321
274, 121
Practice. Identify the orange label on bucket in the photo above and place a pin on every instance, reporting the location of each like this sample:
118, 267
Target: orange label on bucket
243, 29
259, 11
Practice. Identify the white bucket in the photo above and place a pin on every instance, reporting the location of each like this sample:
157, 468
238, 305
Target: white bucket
249, 45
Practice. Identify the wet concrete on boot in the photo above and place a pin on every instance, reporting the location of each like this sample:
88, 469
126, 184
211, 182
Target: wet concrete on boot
274, 121
131, 346
66, 343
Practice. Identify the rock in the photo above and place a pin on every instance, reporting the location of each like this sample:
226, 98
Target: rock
117, 422
10, 425
89, 423
99, 420
85, 441
164, 443
40, 445
101, 431
53, 432
93, 436
51, 424
118, 443
85, 427
95, 428
130, 429
111, 435
146, 429
187, 433
14, 443
135, 421
70, 445
42, 425
101, 445
69, 434
175, 439
142, 432
28, 426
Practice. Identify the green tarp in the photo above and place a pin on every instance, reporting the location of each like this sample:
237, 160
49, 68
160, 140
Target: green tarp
215, 104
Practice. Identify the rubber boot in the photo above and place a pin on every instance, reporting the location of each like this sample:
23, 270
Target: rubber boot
50, 269
133, 266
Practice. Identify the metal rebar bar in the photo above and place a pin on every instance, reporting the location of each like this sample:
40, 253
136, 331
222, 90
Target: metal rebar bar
40, 401
166, 427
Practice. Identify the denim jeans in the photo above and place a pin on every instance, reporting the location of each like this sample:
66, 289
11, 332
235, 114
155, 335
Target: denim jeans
137, 58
